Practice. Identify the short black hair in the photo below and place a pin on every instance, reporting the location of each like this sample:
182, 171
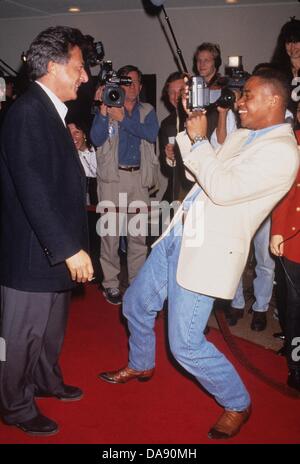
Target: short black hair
265, 65
277, 80
125, 70
52, 44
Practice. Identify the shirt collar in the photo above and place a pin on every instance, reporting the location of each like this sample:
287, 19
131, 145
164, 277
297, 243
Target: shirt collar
253, 134
59, 105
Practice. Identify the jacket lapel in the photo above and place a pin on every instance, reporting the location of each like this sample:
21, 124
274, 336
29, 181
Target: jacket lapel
62, 129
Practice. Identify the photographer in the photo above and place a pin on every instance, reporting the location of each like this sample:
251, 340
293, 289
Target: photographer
126, 161
206, 63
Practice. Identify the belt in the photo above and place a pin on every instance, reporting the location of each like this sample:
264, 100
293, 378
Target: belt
129, 168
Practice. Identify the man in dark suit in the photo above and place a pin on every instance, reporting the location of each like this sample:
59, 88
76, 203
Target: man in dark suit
43, 239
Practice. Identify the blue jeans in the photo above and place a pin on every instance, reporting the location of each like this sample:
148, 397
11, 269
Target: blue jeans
187, 318
264, 270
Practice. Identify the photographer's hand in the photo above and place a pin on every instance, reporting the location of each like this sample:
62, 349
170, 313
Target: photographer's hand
103, 109
116, 114
196, 124
221, 129
98, 97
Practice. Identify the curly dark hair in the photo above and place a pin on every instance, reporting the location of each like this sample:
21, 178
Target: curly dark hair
52, 44
84, 127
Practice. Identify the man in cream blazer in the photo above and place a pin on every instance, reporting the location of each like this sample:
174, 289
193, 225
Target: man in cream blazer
202, 254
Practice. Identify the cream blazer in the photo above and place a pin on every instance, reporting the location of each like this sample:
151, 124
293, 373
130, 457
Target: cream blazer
240, 184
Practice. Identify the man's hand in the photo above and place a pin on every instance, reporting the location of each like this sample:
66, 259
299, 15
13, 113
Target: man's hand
169, 151
98, 97
196, 124
221, 129
80, 267
222, 111
276, 245
116, 113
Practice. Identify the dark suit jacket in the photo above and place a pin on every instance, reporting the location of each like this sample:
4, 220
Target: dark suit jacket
179, 182
43, 215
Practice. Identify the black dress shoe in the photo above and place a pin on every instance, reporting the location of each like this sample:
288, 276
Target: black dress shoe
259, 321
279, 335
69, 393
39, 425
232, 315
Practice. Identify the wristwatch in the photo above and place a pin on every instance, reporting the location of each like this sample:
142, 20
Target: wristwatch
198, 138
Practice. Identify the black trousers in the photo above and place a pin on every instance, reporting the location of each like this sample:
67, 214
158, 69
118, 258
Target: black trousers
33, 327
292, 319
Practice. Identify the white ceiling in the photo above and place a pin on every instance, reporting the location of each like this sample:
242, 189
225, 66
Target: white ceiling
30, 8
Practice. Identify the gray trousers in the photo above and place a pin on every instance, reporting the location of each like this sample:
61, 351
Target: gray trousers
33, 327
130, 183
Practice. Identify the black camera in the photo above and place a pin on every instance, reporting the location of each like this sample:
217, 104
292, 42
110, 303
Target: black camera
198, 94
93, 54
113, 94
231, 84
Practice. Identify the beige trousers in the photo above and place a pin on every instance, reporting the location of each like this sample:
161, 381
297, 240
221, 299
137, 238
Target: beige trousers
126, 224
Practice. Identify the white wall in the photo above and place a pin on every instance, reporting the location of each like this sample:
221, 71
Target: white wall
137, 38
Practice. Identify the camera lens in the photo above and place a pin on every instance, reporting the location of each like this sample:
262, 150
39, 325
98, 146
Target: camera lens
227, 99
114, 95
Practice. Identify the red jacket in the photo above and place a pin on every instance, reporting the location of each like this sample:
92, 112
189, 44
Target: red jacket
286, 221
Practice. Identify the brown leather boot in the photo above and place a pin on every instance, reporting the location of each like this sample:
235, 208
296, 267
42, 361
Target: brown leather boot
229, 424
125, 374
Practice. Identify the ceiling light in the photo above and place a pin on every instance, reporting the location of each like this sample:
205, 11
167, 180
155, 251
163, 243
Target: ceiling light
74, 9
231, 1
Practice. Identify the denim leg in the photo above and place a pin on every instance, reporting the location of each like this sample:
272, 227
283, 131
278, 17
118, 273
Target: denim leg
238, 301
141, 302
187, 318
265, 265
188, 314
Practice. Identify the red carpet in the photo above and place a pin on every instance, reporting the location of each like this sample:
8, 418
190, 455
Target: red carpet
169, 409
